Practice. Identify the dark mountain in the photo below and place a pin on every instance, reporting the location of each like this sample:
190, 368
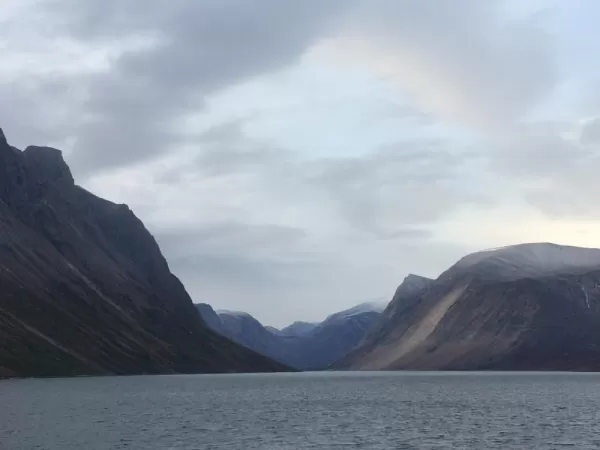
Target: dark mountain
526, 307
305, 350
84, 288
298, 329
337, 335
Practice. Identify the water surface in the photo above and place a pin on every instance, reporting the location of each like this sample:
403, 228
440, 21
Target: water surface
303, 411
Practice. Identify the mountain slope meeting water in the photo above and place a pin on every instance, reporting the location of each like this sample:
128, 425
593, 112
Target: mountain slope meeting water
84, 288
524, 307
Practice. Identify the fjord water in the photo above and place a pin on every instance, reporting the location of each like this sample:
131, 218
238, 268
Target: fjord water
303, 411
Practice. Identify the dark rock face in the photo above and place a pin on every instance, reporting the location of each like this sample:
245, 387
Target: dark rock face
84, 288
312, 349
527, 307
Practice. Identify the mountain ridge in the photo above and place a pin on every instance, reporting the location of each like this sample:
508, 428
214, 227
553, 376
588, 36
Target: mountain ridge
297, 328
529, 260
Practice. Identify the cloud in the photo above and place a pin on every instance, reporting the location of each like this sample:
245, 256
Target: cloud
569, 191
553, 166
143, 71
183, 51
590, 132
388, 192
469, 62
404, 185
32, 102
492, 69
256, 256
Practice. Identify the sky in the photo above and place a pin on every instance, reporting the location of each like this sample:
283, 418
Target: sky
294, 159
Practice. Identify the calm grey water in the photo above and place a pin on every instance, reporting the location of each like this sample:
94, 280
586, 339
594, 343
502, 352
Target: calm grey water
303, 411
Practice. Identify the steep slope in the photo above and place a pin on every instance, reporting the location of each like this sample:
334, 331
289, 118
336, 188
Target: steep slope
526, 307
84, 287
310, 350
210, 317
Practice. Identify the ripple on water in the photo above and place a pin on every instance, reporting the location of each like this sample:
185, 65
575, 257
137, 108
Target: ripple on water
303, 411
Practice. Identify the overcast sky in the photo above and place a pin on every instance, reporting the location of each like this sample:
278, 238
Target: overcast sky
294, 158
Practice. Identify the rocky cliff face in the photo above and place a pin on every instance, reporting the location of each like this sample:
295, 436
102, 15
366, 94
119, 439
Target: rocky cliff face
84, 288
313, 347
526, 307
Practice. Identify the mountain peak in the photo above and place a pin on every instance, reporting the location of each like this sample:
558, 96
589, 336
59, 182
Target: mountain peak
412, 284
47, 165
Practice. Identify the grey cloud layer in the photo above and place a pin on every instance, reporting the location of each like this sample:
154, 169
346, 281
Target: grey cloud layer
470, 61
462, 59
187, 50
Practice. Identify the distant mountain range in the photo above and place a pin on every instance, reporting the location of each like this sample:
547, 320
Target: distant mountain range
84, 288
524, 307
302, 345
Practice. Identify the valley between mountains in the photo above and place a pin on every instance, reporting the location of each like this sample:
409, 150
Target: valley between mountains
85, 290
